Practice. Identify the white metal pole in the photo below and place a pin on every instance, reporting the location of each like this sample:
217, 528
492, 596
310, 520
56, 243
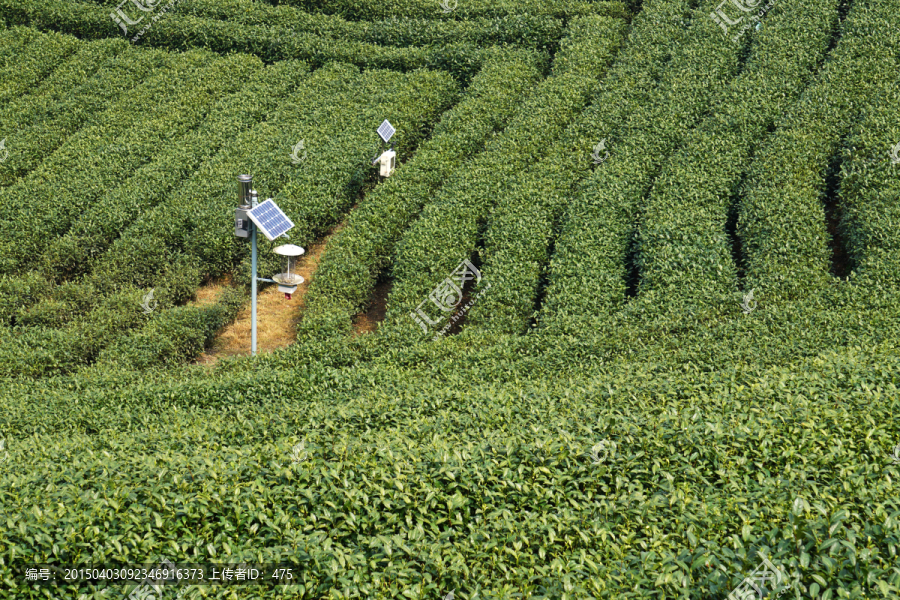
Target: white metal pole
253, 199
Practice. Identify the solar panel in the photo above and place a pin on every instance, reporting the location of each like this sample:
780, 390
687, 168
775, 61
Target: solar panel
386, 130
270, 220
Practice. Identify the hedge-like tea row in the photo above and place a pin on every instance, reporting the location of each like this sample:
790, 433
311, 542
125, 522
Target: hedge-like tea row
447, 231
870, 188
107, 217
782, 220
684, 253
415, 481
98, 157
32, 62
49, 90
12, 42
517, 242
365, 10
17, 292
588, 274
354, 257
270, 43
172, 336
542, 32
52, 124
55, 306
68, 329
63, 102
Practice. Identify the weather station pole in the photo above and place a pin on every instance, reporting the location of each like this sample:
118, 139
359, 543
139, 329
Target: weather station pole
254, 197
267, 217
250, 215
244, 227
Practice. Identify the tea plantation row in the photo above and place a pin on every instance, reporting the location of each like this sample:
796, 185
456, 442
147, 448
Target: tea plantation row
643, 439
414, 481
448, 217
279, 33
683, 252
786, 241
119, 181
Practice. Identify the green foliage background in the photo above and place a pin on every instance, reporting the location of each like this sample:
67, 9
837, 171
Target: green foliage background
608, 422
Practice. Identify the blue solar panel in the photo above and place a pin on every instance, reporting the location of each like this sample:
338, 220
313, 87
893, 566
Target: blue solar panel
270, 220
386, 130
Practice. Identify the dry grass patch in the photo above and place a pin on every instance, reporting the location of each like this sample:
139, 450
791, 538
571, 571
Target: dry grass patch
209, 293
276, 317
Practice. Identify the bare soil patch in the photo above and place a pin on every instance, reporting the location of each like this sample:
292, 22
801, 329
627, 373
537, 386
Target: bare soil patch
276, 316
368, 320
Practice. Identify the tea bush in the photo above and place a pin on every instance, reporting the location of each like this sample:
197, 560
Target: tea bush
172, 336
533, 31
14, 40
447, 231
33, 61
869, 190
18, 292
782, 221
364, 10
588, 272
683, 251
520, 229
63, 304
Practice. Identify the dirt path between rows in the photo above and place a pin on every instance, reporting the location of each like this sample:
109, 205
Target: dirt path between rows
276, 317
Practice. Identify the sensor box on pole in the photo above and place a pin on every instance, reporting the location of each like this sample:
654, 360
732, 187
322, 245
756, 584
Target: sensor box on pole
242, 222
388, 164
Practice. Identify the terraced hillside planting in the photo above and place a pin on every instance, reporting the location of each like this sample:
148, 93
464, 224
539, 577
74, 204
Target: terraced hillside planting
621, 324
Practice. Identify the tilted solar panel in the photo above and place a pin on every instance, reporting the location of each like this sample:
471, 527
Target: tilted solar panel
386, 130
270, 220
